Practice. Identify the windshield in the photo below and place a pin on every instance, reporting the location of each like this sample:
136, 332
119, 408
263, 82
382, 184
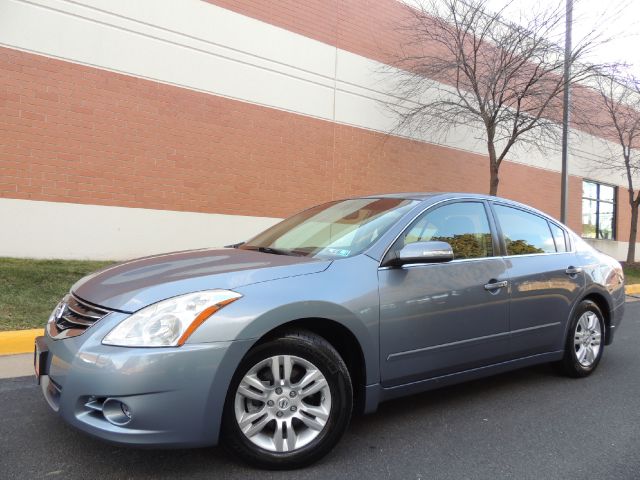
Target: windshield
332, 230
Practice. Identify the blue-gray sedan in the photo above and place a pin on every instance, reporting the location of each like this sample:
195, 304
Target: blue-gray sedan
272, 344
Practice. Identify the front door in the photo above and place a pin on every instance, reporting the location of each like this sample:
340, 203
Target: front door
441, 318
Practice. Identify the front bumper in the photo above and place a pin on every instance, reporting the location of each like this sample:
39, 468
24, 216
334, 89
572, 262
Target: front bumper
175, 395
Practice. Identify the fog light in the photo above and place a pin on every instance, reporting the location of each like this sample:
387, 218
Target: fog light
116, 412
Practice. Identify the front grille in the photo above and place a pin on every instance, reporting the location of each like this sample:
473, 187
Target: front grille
73, 316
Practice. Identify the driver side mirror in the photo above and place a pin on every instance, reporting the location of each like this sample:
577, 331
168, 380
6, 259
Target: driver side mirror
423, 252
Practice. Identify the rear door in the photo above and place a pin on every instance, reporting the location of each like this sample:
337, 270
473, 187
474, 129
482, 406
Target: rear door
545, 282
441, 318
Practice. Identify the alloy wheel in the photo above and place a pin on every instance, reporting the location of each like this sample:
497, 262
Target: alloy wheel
282, 403
587, 338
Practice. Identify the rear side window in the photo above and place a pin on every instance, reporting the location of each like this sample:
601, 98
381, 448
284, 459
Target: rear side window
558, 237
524, 233
462, 225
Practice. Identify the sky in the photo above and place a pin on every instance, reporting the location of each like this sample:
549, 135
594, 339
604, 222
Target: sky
615, 19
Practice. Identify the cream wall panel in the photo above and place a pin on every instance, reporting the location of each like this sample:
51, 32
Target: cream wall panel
38, 229
32, 229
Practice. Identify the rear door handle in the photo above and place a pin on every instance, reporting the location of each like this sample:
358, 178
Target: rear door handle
496, 285
573, 270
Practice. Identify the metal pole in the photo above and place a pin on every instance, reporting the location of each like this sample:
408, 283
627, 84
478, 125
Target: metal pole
564, 188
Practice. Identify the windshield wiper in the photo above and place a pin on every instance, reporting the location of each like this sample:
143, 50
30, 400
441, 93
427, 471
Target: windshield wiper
274, 251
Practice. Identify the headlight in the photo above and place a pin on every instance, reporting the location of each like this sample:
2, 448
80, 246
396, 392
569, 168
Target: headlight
170, 322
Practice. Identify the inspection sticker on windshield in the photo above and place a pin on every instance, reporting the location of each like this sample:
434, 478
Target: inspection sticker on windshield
339, 251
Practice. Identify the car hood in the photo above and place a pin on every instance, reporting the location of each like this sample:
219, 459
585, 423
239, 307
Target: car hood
130, 286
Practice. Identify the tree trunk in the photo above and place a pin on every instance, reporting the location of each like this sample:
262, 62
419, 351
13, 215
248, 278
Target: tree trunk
494, 179
633, 231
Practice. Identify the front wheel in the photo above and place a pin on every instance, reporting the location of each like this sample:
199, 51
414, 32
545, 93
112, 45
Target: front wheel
289, 402
584, 345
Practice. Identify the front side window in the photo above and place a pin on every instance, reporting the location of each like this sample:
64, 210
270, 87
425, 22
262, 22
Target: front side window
524, 233
333, 230
598, 210
462, 225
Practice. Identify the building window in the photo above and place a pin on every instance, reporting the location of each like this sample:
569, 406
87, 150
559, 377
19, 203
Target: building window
598, 210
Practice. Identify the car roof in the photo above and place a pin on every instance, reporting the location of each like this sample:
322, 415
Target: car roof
440, 196
429, 195
406, 195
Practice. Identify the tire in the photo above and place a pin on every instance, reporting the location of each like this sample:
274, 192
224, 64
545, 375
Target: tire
289, 423
586, 329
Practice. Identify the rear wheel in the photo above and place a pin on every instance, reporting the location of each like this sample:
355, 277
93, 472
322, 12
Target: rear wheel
584, 345
289, 402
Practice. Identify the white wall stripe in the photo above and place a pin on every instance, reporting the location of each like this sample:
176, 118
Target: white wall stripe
66, 31
115, 233
30, 230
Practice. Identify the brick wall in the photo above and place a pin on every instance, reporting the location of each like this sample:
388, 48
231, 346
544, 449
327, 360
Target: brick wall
70, 133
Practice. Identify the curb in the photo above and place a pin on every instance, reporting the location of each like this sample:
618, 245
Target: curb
18, 341
632, 289
14, 342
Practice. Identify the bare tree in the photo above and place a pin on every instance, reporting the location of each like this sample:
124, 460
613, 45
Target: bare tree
464, 64
619, 119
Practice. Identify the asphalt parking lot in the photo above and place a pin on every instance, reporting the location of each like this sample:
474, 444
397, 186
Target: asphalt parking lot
526, 424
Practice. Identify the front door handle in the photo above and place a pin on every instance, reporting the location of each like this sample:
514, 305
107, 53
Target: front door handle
573, 270
496, 285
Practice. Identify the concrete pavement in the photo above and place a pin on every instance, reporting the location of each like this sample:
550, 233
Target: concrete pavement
16, 365
527, 424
